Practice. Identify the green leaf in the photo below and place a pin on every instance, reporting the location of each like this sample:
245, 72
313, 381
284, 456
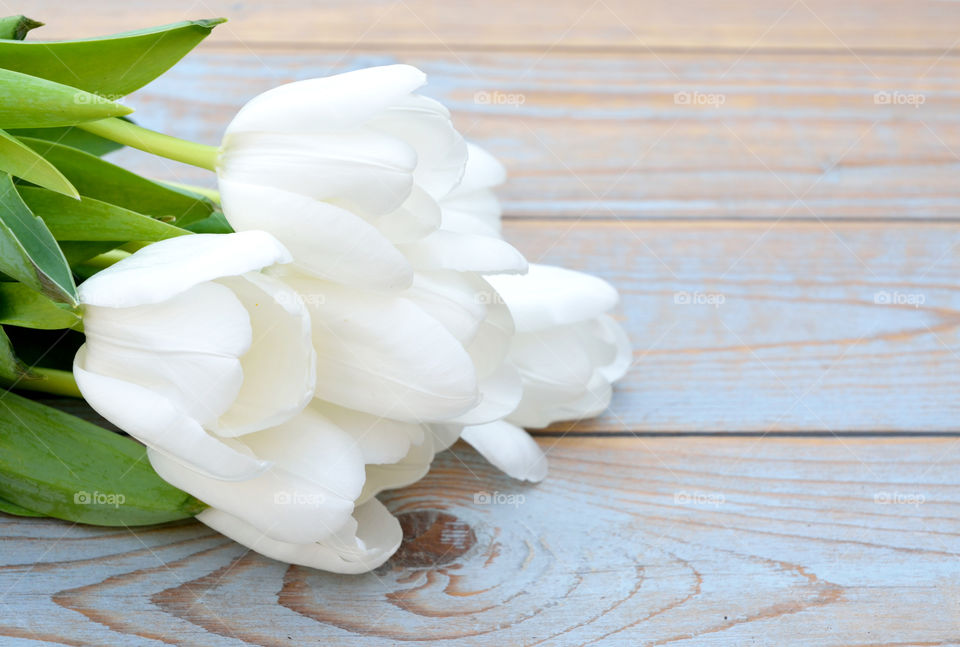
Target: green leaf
27, 102
11, 368
78, 251
22, 306
23, 162
16, 27
110, 66
28, 251
98, 179
70, 136
89, 219
65, 467
215, 223
14, 509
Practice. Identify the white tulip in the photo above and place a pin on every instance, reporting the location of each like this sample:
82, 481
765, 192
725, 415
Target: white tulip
567, 349
348, 172
188, 345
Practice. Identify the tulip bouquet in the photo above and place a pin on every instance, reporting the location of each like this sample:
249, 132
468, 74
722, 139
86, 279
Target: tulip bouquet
278, 351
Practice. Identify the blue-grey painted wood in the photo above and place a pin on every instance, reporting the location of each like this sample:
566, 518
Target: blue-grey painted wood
653, 136
661, 541
774, 327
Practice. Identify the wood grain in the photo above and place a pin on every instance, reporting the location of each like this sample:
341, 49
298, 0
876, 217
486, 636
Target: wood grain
741, 326
627, 25
628, 542
766, 136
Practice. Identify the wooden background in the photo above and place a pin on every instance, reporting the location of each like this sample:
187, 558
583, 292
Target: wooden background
772, 185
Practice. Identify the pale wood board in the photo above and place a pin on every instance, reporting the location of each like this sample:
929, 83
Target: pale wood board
818, 25
765, 136
628, 542
803, 200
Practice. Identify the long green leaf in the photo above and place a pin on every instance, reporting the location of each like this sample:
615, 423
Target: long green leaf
13, 508
28, 251
70, 136
16, 27
65, 467
89, 219
110, 66
22, 306
11, 368
28, 101
23, 162
78, 251
98, 179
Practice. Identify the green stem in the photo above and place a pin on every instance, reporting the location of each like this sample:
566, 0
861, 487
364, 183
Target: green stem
50, 380
180, 150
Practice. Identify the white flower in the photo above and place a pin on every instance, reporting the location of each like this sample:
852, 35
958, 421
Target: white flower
348, 171
187, 345
567, 349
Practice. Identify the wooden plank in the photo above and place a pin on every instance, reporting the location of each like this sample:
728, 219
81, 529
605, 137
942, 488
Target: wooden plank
861, 25
796, 136
665, 541
774, 326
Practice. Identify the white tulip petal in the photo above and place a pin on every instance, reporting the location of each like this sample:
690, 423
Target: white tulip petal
453, 299
379, 439
280, 503
483, 171
366, 172
447, 250
377, 537
205, 318
169, 267
425, 125
186, 348
476, 213
623, 357
160, 424
418, 217
554, 357
389, 476
508, 448
281, 337
328, 104
384, 355
544, 403
490, 346
315, 449
444, 435
500, 393
550, 296
326, 241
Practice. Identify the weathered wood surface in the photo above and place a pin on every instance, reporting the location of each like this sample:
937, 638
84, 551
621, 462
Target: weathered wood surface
765, 136
628, 542
810, 226
767, 327
627, 25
